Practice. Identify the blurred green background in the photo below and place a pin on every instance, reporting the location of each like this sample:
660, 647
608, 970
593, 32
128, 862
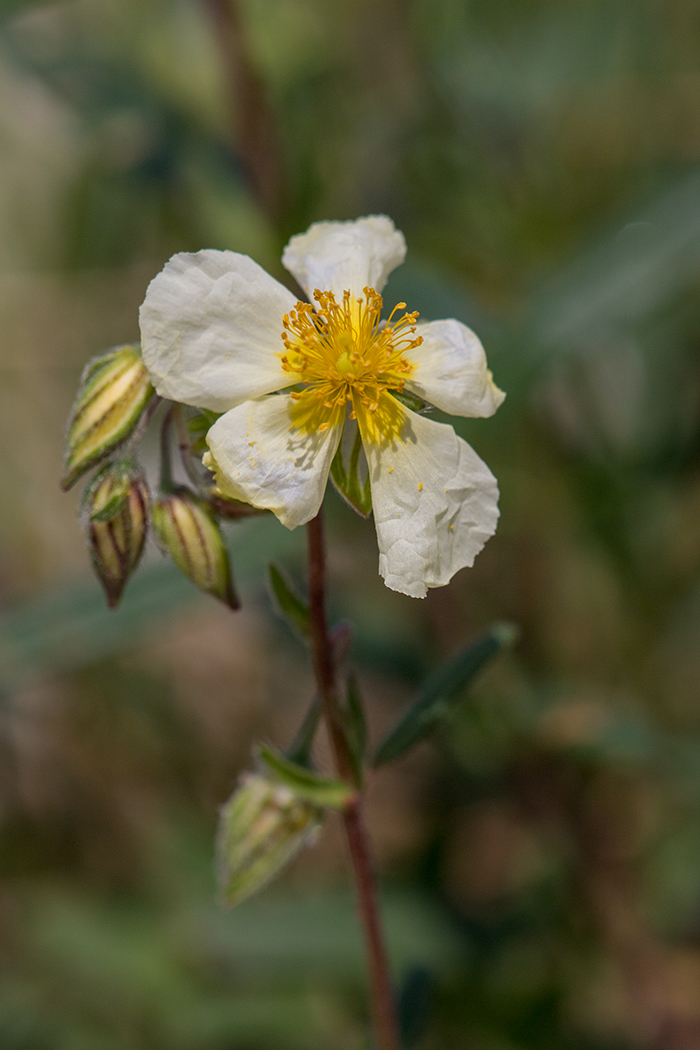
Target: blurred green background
541, 859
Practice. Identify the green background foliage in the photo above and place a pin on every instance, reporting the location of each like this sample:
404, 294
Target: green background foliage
540, 856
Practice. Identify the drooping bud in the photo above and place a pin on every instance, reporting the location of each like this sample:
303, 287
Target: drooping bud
113, 393
115, 511
188, 531
261, 827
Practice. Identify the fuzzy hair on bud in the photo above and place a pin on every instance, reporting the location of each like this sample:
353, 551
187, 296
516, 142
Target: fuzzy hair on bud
113, 394
187, 530
115, 512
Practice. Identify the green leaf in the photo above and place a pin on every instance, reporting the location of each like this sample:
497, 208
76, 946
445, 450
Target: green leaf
289, 605
300, 749
305, 783
416, 404
198, 425
349, 471
441, 691
355, 727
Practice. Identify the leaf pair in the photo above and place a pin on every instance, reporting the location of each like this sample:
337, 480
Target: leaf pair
437, 699
290, 605
295, 610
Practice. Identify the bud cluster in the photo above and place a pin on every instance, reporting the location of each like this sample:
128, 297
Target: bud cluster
110, 415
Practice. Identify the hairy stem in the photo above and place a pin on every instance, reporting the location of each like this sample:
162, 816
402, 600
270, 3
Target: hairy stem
381, 989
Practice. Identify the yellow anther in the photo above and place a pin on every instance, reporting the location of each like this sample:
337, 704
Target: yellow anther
342, 352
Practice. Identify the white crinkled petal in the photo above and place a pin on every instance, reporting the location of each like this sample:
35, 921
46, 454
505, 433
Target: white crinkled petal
450, 370
335, 256
435, 505
210, 330
261, 458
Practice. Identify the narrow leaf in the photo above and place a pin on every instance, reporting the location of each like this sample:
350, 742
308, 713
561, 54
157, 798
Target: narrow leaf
197, 427
289, 605
300, 748
305, 783
416, 404
441, 691
355, 727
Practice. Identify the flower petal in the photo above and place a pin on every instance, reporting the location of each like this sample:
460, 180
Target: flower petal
435, 504
334, 256
450, 370
259, 456
210, 327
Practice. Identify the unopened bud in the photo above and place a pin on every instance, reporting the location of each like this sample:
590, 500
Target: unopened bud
115, 510
261, 827
187, 530
113, 393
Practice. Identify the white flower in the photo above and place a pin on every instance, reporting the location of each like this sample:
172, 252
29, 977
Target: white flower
219, 333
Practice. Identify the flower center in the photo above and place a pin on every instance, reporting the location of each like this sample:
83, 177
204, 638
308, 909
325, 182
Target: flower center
343, 352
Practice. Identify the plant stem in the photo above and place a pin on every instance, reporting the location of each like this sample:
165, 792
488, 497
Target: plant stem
381, 989
185, 447
166, 465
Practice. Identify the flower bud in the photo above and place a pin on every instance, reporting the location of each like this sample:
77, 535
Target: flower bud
187, 530
261, 828
115, 509
113, 393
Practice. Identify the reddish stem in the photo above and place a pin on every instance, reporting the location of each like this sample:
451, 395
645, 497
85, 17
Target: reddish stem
381, 989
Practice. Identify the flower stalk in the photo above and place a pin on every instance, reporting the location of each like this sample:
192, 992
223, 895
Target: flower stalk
382, 996
187, 529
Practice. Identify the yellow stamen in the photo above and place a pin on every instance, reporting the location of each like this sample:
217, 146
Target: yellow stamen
342, 353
